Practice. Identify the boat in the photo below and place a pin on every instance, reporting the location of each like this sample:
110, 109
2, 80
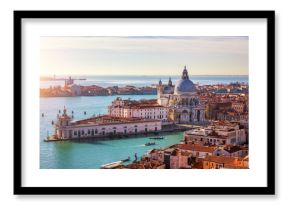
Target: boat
126, 160
150, 143
157, 138
112, 165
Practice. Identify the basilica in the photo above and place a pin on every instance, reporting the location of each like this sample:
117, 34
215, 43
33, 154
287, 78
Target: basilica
181, 100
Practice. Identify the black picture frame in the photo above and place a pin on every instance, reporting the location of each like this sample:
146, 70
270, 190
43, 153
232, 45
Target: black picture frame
268, 190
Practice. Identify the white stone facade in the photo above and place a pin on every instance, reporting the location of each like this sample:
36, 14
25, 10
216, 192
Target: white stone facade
182, 102
97, 127
126, 109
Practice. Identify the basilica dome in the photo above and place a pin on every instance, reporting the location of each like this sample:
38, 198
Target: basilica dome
184, 85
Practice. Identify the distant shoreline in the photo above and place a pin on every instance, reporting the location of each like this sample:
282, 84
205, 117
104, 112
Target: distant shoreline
121, 75
93, 95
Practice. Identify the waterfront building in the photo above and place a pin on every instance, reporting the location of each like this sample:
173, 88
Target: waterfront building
74, 89
144, 164
102, 126
178, 103
219, 134
180, 159
155, 154
68, 82
174, 158
93, 90
182, 101
144, 109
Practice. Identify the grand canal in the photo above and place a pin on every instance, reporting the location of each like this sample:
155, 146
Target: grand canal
89, 154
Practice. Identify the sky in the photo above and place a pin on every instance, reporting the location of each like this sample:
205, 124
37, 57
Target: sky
143, 55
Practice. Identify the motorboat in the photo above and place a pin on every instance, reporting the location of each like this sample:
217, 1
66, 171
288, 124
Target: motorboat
126, 160
150, 143
112, 165
157, 138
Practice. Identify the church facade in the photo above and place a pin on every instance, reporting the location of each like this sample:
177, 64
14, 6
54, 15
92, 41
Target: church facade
181, 100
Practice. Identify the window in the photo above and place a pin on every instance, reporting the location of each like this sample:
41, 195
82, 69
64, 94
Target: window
136, 130
96, 131
233, 140
75, 133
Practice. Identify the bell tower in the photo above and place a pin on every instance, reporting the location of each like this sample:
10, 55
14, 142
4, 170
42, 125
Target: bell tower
61, 126
64, 119
159, 89
169, 82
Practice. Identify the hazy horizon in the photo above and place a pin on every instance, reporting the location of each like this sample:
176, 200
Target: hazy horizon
143, 55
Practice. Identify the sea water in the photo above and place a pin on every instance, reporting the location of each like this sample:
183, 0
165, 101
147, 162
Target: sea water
107, 81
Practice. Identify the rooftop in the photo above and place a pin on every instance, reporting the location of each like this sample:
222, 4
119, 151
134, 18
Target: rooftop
232, 149
195, 147
152, 164
109, 120
140, 104
223, 159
